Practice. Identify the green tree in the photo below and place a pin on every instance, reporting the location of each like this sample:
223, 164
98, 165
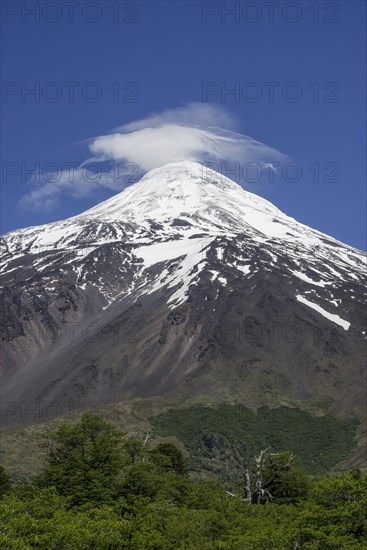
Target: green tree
332, 517
169, 457
84, 460
282, 477
135, 450
339, 504
141, 479
344, 488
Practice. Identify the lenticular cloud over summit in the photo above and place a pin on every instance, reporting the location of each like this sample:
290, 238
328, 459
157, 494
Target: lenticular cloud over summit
196, 132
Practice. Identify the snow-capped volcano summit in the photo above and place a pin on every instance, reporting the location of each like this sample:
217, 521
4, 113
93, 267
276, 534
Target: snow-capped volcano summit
183, 190
190, 193
181, 194
167, 283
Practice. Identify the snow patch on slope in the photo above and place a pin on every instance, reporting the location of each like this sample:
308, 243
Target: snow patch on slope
161, 252
193, 252
331, 316
307, 279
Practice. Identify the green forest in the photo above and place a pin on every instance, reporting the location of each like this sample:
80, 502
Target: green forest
223, 439
101, 489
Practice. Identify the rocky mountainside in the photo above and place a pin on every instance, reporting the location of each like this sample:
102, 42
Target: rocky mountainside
182, 281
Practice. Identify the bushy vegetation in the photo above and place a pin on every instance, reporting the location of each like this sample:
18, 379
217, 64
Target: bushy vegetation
101, 490
223, 439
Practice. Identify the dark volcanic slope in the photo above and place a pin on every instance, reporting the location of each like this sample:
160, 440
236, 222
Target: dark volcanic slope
184, 279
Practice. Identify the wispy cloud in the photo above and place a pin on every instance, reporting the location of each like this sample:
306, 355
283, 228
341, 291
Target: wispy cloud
198, 132
46, 194
192, 115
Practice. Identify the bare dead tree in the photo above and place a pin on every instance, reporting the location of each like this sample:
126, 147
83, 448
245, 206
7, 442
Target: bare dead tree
260, 493
248, 494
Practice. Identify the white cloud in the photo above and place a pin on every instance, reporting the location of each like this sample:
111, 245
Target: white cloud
198, 132
192, 114
153, 147
78, 183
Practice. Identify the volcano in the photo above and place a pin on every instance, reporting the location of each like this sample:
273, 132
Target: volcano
182, 282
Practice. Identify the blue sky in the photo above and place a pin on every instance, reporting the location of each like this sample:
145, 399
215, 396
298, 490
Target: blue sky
149, 57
